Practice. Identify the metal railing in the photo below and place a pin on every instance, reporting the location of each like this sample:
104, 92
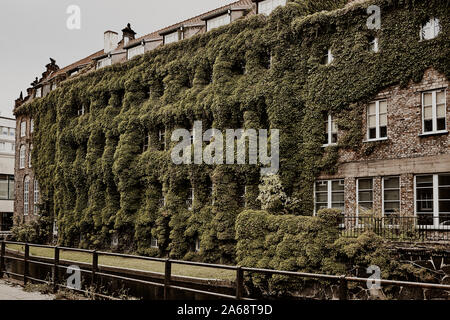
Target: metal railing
96, 271
398, 228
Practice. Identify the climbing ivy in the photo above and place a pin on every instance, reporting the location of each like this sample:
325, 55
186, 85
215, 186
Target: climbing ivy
258, 72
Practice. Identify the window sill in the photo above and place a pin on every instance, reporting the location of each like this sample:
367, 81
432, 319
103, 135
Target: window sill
434, 133
376, 140
329, 145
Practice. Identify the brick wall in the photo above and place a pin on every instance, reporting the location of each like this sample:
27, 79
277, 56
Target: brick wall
20, 174
405, 153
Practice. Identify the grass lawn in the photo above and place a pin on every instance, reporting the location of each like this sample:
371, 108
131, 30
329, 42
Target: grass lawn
154, 266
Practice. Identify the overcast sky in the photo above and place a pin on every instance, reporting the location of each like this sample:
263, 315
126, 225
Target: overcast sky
32, 31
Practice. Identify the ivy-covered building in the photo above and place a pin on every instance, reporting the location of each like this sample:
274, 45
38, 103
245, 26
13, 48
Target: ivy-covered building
362, 112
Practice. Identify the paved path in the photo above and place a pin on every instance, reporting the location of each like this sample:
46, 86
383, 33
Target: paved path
9, 291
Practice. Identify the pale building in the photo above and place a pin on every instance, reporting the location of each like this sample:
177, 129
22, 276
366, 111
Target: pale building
7, 154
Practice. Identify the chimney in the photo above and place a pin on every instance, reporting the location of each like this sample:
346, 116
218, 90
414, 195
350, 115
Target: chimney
127, 34
111, 39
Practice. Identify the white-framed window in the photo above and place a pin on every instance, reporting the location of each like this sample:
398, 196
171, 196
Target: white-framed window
162, 139
36, 197
12, 132
331, 131
135, 51
267, 6
31, 126
29, 155
373, 44
38, 93
26, 195
430, 29
377, 120
55, 228
5, 131
329, 194
2, 146
364, 195
81, 110
197, 244
212, 194
218, 22
104, 62
434, 111
391, 196
171, 37
146, 141
23, 128
190, 199
154, 243
328, 57
432, 200
22, 153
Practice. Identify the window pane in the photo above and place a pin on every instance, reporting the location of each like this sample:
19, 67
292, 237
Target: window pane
425, 219
424, 181
3, 187
321, 186
337, 197
444, 180
391, 183
425, 194
338, 185
440, 97
428, 112
365, 206
392, 195
373, 133
440, 111
428, 99
440, 124
365, 184
383, 107
372, 108
391, 206
444, 206
365, 196
425, 206
372, 121
321, 197
383, 120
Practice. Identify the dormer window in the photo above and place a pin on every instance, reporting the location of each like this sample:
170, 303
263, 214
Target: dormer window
104, 62
430, 29
172, 37
217, 22
267, 6
38, 93
135, 51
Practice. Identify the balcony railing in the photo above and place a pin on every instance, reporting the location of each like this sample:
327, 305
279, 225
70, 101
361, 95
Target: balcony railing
399, 228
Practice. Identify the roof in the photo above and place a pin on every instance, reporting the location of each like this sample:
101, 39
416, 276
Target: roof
196, 21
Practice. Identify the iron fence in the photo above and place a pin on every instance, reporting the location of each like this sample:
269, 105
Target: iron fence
95, 270
399, 228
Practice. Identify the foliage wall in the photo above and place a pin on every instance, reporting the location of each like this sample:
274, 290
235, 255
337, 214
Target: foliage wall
96, 179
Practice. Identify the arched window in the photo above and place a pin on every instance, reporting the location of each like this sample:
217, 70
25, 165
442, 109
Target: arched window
36, 197
22, 157
29, 156
26, 195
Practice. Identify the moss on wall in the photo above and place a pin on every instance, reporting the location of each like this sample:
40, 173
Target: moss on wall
97, 181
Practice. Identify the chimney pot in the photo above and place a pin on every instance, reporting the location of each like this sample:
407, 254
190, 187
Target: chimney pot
110, 41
